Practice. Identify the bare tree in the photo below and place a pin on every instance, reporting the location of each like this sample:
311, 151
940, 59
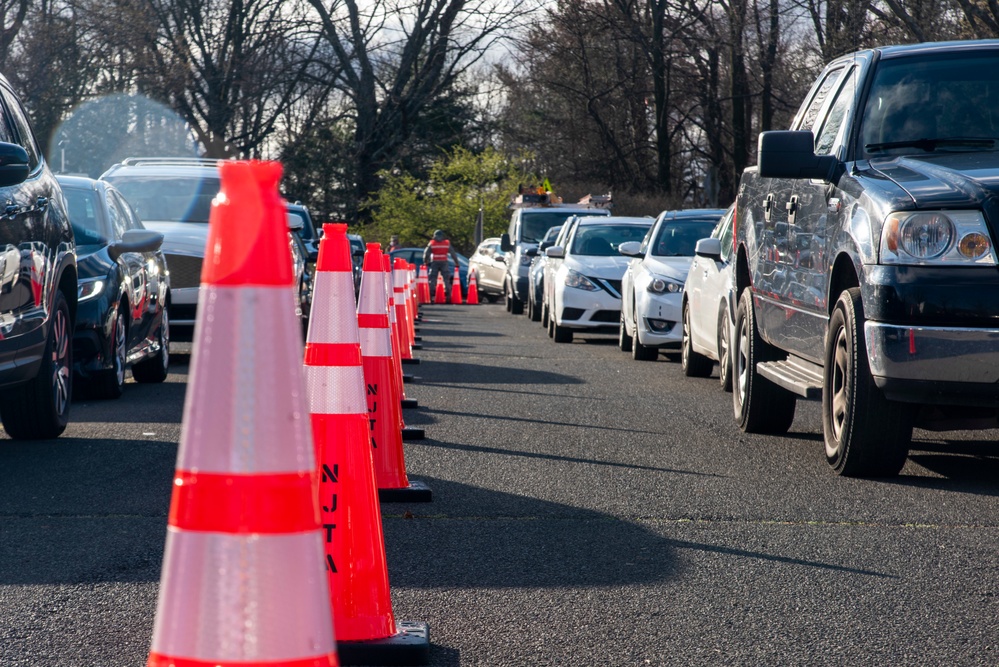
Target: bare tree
12, 16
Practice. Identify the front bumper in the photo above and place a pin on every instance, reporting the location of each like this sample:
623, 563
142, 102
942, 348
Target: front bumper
935, 365
583, 309
665, 311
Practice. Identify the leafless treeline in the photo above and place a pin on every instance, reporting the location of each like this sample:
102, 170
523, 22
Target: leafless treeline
656, 96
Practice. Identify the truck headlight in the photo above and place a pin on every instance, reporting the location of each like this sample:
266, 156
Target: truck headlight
936, 238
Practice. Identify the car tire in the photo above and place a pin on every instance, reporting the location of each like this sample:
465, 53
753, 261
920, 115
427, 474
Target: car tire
551, 324
724, 352
534, 311
39, 408
759, 405
624, 341
544, 316
491, 298
640, 352
110, 383
516, 305
157, 367
866, 435
561, 334
693, 364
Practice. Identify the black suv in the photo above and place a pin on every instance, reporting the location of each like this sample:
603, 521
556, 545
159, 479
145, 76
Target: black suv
866, 265
37, 284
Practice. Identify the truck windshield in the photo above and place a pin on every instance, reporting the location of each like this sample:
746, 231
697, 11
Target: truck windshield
931, 103
534, 224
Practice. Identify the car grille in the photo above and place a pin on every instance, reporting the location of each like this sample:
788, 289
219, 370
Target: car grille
612, 287
572, 313
185, 271
613, 316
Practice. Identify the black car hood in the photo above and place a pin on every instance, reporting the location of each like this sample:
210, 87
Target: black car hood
944, 180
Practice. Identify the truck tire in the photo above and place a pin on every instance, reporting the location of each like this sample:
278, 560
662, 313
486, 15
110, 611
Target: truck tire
759, 405
866, 435
693, 364
39, 409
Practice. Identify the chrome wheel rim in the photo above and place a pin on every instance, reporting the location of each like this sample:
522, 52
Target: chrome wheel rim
60, 361
685, 345
723, 345
839, 375
741, 359
165, 340
119, 350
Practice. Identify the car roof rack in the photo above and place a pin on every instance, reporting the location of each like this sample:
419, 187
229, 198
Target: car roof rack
188, 161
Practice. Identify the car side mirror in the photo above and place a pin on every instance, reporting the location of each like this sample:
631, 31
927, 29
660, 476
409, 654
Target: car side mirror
630, 249
555, 251
531, 252
295, 223
545, 245
136, 240
791, 154
709, 248
505, 244
13, 164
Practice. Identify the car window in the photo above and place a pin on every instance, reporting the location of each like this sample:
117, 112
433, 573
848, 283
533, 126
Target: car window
26, 139
89, 226
647, 239
131, 218
119, 223
603, 240
826, 138
168, 198
678, 238
726, 235
821, 94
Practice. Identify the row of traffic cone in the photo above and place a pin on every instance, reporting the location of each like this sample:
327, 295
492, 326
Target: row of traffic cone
423, 289
264, 500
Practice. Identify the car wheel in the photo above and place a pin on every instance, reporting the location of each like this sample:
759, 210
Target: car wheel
562, 334
866, 435
640, 352
760, 406
533, 310
39, 409
693, 364
623, 337
551, 324
724, 356
508, 298
516, 305
157, 367
544, 316
491, 298
110, 383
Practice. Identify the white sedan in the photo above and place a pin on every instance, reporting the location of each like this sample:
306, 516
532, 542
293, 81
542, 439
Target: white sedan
708, 306
652, 286
586, 289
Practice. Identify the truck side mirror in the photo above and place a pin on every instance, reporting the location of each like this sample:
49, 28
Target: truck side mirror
791, 154
505, 244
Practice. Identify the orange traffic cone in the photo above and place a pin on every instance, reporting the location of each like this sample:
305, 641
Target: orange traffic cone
384, 413
397, 344
355, 548
440, 294
456, 288
413, 305
242, 580
401, 301
473, 289
423, 286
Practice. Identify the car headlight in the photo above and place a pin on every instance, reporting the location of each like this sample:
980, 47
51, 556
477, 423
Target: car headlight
579, 281
660, 285
89, 289
935, 238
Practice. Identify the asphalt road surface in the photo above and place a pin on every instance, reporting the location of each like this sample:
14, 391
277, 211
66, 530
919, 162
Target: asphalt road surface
588, 510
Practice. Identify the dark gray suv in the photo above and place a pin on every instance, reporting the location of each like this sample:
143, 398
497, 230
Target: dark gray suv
37, 284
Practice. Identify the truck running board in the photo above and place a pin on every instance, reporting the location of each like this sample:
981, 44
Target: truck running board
794, 374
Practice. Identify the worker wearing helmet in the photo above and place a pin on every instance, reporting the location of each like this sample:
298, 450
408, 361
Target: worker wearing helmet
435, 256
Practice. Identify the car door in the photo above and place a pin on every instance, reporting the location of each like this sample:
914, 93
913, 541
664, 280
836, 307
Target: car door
132, 266
707, 280
779, 314
635, 268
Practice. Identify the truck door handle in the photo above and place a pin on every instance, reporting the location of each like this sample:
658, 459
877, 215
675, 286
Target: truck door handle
768, 205
42, 203
11, 210
792, 208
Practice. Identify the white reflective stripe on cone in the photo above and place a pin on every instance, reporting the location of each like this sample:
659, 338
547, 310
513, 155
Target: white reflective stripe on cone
220, 602
250, 391
326, 324
336, 390
375, 343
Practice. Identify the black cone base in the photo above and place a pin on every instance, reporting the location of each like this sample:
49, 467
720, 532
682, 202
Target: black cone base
410, 378
417, 346
409, 646
410, 434
418, 339
416, 492
409, 403
410, 362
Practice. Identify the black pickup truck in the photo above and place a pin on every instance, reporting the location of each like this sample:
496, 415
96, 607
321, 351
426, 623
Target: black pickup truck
866, 271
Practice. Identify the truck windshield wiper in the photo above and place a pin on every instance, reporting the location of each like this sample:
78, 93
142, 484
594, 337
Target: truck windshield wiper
930, 145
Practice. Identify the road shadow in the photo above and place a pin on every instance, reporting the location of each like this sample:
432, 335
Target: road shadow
141, 404
458, 372
503, 540
963, 466
546, 422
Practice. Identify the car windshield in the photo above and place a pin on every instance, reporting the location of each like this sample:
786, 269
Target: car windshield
933, 103
603, 240
534, 224
169, 198
85, 217
678, 238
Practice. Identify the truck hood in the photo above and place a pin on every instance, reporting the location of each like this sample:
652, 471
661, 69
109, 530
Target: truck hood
944, 180
184, 238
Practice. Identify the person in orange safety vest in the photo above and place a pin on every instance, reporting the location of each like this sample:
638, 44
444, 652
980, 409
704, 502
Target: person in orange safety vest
435, 257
